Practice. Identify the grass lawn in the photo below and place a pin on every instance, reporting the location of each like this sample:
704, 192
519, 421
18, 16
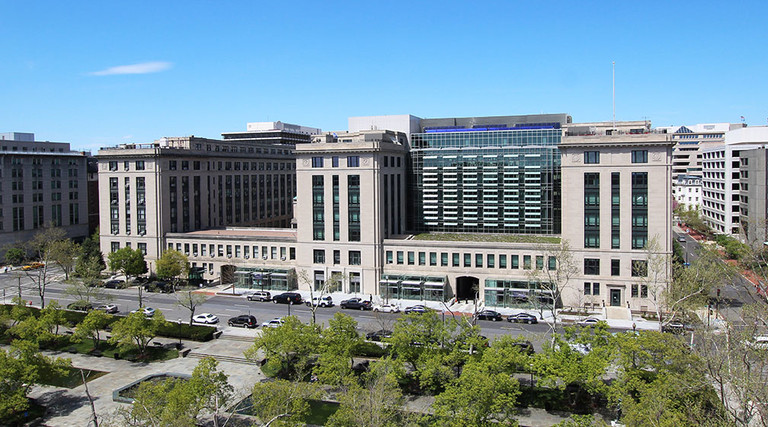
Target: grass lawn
468, 237
320, 411
70, 379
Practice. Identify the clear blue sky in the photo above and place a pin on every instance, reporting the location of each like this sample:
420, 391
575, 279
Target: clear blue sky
102, 73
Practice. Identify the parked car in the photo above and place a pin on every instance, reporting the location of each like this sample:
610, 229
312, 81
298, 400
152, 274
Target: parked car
206, 318
386, 308
325, 301
378, 335
33, 266
114, 284
287, 298
80, 306
674, 327
522, 318
148, 311
274, 323
759, 342
588, 322
356, 304
108, 308
244, 320
260, 296
416, 309
489, 315
525, 347
681, 239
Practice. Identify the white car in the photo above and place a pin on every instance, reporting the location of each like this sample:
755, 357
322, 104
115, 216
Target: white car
148, 311
108, 308
386, 308
759, 343
274, 323
206, 318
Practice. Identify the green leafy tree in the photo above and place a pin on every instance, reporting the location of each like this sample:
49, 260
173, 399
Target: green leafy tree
92, 325
377, 401
64, 253
172, 265
415, 334
479, 397
128, 261
136, 329
87, 292
90, 258
52, 317
190, 301
15, 256
282, 402
287, 348
337, 345
210, 388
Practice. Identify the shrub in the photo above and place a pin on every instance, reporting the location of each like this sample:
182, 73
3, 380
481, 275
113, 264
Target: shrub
185, 331
368, 349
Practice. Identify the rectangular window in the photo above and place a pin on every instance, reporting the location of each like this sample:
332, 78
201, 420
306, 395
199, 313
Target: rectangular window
643, 291
291, 253
444, 259
591, 210
399, 257
317, 162
354, 258
353, 207
502, 261
595, 289
335, 161
139, 165
551, 263
527, 262
318, 207
591, 157
639, 156
422, 258
319, 256
615, 210
639, 268
514, 261
336, 257
467, 260
433, 258
634, 290
615, 270
587, 288
456, 258
490, 261
478, 260
353, 161
639, 209
389, 257
539, 262
592, 266
411, 258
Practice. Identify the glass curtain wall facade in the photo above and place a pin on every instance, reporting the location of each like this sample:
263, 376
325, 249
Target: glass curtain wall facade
486, 181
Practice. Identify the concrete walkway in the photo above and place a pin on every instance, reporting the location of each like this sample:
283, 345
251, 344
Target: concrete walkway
69, 407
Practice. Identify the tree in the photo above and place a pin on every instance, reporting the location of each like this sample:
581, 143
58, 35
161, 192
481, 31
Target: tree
415, 334
377, 401
282, 402
64, 253
90, 258
91, 326
554, 282
210, 388
137, 329
190, 301
128, 261
287, 348
42, 245
337, 345
15, 256
329, 285
691, 216
479, 397
172, 265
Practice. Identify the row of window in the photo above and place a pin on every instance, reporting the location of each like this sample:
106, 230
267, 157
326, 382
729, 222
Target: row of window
353, 257
466, 260
352, 162
638, 156
592, 267
593, 288
237, 251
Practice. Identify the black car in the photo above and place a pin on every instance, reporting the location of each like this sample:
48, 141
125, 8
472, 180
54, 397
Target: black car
489, 315
80, 306
378, 335
674, 327
114, 284
245, 320
287, 298
522, 318
525, 347
356, 304
158, 287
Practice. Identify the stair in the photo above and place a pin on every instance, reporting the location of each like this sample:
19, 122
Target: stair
236, 338
621, 313
221, 358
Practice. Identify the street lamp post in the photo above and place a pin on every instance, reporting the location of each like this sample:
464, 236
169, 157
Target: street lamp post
179, 333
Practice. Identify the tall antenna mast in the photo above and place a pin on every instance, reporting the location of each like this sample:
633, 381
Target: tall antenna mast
613, 63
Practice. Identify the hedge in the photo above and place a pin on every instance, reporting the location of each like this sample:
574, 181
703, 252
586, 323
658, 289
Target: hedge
185, 331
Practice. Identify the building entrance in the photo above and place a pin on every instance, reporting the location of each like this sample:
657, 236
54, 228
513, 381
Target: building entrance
467, 288
615, 297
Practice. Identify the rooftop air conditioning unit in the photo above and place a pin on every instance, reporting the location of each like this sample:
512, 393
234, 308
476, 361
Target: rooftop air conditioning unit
115, 233
246, 256
229, 256
194, 254
282, 258
127, 233
213, 255
265, 257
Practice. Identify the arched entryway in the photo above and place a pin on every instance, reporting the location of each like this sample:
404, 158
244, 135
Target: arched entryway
467, 288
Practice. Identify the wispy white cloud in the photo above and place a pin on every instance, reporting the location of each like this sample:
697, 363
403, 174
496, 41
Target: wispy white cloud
142, 68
